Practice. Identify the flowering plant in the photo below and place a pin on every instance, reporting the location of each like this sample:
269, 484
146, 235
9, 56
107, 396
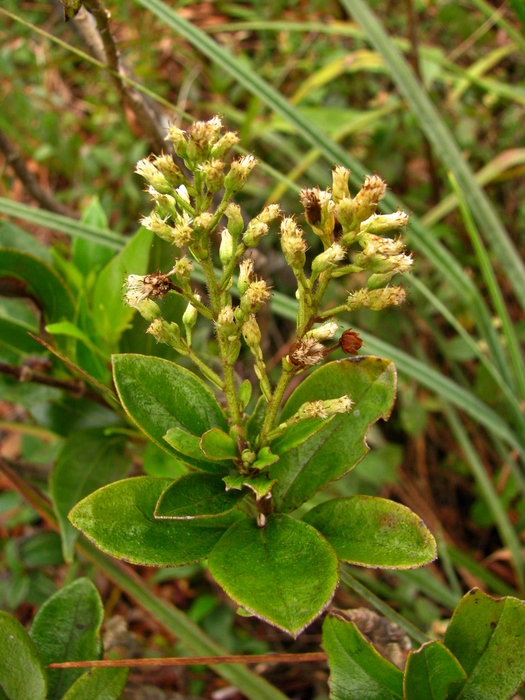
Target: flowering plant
252, 463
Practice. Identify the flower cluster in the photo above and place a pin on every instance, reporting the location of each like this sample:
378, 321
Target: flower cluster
196, 213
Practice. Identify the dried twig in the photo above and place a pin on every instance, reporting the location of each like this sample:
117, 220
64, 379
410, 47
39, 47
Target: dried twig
133, 99
30, 182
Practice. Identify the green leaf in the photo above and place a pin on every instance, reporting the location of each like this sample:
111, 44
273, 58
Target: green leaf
16, 341
298, 433
188, 447
111, 315
22, 674
284, 572
12, 236
159, 395
430, 671
90, 256
119, 520
260, 485
196, 496
235, 481
216, 444
38, 281
376, 532
99, 684
337, 447
66, 628
265, 458
88, 460
72, 331
357, 670
487, 636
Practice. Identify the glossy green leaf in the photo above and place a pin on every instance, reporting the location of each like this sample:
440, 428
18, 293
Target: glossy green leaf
265, 458
39, 281
487, 636
260, 485
337, 447
22, 674
430, 672
159, 395
90, 256
111, 314
216, 444
234, 481
188, 447
376, 532
88, 460
357, 670
99, 684
119, 520
196, 496
296, 434
67, 628
284, 572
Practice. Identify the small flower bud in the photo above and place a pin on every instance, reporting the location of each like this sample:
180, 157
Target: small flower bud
224, 144
183, 269
377, 281
368, 196
190, 316
226, 321
213, 173
178, 138
345, 212
235, 220
253, 234
377, 246
226, 247
147, 308
383, 223
246, 275
340, 183
158, 225
165, 203
251, 332
324, 332
268, 214
201, 223
202, 137
255, 296
182, 234
170, 170
239, 173
376, 299
293, 244
168, 333
306, 353
328, 259
153, 177
324, 409
350, 342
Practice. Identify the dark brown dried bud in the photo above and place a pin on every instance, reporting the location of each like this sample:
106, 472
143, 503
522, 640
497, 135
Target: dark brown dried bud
350, 342
312, 206
157, 285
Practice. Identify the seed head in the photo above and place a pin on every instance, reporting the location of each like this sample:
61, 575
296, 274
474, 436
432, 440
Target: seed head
306, 353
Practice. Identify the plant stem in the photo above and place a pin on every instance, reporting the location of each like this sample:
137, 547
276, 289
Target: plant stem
274, 403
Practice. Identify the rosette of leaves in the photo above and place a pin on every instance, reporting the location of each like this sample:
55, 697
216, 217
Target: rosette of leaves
286, 571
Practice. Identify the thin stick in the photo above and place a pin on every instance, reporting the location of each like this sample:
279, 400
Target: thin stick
194, 660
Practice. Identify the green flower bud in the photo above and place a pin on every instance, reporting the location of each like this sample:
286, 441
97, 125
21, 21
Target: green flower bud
183, 269
255, 296
246, 275
224, 144
168, 333
153, 177
368, 196
158, 225
383, 223
235, 220
170, 170
213, 173
328, 259
178, 138
226, 248
340, 183
251, 332
239, 173
293, 243
324, 332
253, 234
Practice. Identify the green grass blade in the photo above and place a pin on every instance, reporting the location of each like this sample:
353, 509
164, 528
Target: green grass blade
437, 132
494, 290
505, 529
64, 224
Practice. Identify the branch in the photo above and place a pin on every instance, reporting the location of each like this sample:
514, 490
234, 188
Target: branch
30, 182
132, 98
75, 387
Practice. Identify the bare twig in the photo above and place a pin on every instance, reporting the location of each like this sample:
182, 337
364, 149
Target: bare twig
30, 182
75, 387
205, 660
133, 99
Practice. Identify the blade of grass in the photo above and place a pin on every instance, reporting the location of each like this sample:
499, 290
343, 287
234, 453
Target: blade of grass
492, 582
513, 347
172, 619
437, 132
505, 529
488, 10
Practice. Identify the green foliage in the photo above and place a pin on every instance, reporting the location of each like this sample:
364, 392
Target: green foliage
481, 656
22, 673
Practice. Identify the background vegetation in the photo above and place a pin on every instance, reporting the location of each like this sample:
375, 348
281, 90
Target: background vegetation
430, 96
